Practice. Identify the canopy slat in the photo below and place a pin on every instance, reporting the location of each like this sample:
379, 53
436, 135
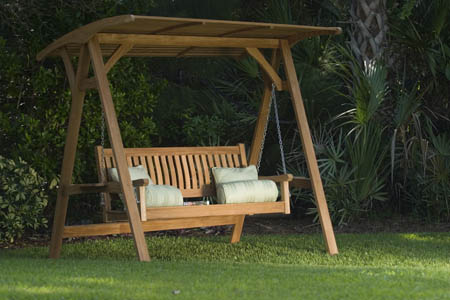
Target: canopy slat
197, 34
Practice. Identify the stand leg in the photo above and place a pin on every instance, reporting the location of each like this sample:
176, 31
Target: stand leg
117, 147
237, 229
69, 148
308, 148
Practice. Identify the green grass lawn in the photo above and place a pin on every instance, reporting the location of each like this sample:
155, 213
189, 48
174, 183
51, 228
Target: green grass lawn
369, 266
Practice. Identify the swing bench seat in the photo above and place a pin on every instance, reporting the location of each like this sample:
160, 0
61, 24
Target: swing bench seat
189, 170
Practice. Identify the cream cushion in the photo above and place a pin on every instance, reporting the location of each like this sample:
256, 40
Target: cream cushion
241, 185
162, 195
224, 175
247, 191
155, 195
138, 172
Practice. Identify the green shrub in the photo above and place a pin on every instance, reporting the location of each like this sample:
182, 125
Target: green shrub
22, 199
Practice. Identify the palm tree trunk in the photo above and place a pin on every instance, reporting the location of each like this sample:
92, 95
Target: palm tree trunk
368, 39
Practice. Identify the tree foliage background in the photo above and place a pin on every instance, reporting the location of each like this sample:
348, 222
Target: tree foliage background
377, 98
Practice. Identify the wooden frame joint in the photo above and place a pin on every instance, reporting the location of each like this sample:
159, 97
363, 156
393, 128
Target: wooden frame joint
267, 67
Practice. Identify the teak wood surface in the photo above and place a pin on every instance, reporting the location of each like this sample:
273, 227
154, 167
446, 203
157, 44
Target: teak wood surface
159, 36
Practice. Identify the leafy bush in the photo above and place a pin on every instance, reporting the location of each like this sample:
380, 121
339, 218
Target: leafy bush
22, 199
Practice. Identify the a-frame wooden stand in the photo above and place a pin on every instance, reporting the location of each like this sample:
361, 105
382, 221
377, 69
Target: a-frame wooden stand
92, 53
315, 182
88, 41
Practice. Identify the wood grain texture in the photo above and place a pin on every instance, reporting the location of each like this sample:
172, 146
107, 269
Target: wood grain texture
308, 148
142, 203
237, 229
70, 148
215, 210
182, 27
152, 225
186, 41
242, 155
301, 182
278, 178
285, 196
117, 147
83, 34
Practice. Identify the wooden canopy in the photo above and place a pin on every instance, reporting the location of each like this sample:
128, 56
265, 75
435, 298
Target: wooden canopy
131, 35
180, 37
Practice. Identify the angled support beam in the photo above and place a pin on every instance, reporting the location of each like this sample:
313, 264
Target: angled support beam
91, 83
187, 41
264, 110
118, 151
121, 51
308, 148
266, 66
69, 68
70, 147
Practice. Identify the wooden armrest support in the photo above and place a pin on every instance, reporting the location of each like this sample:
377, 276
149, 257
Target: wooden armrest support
284, 181
141, 182
107, 187
277, 178
301, 182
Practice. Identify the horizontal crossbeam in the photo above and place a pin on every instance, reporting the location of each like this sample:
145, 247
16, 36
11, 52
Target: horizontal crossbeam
154, 225
187, 41
108, 187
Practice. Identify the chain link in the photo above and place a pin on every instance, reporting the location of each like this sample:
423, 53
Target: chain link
265, 131
102, 161
277, 121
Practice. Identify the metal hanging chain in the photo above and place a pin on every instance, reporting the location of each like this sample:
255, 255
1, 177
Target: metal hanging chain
277, 121
102, 139
265, 132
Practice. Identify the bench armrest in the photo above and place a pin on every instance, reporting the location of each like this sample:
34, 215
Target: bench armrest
283, 180
140, 182
277, 178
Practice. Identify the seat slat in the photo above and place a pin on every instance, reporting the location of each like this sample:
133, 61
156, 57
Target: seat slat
181, 185
142, 162
223, 160
199, 168
166, 175
173, 174
159, 179
230, 161
151, 167
217, 161
187, 180
242, 155
193, 172
206, 169
210, 161
108, 162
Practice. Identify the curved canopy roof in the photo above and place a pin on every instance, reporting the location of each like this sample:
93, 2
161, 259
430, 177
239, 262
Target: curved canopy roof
181, 37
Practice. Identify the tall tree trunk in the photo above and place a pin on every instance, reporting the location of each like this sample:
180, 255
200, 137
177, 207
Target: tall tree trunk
368, 38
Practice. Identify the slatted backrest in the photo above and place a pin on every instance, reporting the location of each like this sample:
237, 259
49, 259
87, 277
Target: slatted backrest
187, 168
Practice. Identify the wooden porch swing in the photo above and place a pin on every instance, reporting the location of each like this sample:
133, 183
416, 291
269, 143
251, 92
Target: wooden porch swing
139, 36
